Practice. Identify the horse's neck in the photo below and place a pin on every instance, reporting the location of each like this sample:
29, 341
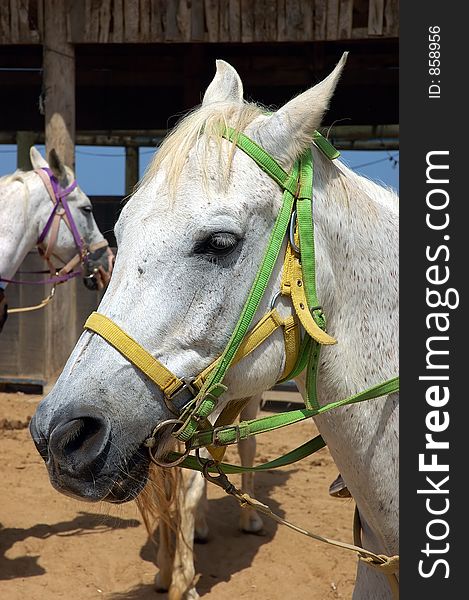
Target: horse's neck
356, 230
357, 264
21, 201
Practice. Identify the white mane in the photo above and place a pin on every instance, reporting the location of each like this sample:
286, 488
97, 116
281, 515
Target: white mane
12, 177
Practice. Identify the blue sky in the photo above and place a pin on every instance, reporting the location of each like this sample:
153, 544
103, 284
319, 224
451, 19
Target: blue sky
101, 170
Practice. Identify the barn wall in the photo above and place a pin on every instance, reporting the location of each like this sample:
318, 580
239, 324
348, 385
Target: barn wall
153, 21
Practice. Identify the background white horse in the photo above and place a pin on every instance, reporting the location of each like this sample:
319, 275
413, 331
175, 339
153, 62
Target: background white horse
25, 206
190, 243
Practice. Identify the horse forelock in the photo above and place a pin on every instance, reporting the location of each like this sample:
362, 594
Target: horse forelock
203, 127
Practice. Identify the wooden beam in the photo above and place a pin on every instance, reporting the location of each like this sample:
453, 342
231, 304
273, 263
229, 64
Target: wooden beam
391, 18
345, 19
343, 136
235, 20
131, 169
375, 17
320, 19
59, 90
211, 19
24, 141
59, 83
332, 19
247, 21
197, 21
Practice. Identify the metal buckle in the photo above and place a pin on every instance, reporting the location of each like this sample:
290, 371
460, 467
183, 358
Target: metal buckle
294, 247
216, 442
273, 302
187, 385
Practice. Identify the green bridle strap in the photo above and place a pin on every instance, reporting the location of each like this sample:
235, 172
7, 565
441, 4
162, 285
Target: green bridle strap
263, 159
325, 146
206, 399
308, 448
304, 211
231, 434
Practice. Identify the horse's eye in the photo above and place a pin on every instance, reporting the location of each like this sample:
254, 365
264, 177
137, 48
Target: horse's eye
217, 244
87, 208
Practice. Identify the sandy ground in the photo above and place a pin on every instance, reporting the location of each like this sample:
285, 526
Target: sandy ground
52, 546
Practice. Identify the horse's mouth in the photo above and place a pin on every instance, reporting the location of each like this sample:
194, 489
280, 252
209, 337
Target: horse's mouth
128, 487
117, 486
98, 268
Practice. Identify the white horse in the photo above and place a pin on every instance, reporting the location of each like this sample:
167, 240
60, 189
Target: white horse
190, 243
25, 207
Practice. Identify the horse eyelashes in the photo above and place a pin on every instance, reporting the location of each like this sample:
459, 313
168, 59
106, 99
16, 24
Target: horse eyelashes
217, 245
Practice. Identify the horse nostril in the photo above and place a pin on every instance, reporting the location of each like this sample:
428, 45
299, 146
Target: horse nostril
79, 444
79, 434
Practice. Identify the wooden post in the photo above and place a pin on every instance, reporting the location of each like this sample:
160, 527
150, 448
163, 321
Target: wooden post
131, 168
59, 91
59, 82
24, 141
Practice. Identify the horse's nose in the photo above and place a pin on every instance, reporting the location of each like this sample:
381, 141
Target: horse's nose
80, 444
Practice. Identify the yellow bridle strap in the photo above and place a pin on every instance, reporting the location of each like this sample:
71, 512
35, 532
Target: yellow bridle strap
293, 285
132, 351
259, 334
165, 379
291, 336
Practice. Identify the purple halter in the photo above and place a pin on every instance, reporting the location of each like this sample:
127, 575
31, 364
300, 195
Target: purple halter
60, 196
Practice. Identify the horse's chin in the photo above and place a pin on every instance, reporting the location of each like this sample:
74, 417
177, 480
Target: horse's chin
125, 490
116, 487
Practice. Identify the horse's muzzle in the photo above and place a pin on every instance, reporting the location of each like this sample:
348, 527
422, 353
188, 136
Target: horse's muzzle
75, 450
82, 460
98, 268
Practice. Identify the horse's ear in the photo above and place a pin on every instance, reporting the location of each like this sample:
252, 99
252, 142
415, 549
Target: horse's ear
289, 131
36, 159
57, 166
226, 86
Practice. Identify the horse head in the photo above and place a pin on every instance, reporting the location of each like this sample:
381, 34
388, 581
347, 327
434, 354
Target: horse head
191, 240
96, 264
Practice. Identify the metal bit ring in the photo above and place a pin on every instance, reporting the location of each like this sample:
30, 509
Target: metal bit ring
157, 461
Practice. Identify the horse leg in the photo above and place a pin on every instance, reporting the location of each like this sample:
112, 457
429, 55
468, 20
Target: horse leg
250, 521
184, 579
201, 526
165, 557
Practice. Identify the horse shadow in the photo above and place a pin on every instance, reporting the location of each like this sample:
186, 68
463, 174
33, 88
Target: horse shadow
228, 550
27, 566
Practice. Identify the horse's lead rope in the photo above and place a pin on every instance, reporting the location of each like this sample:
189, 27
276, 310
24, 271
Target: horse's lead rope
387, 565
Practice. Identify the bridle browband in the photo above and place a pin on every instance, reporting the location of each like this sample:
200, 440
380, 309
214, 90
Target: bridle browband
192, 401
60, 212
